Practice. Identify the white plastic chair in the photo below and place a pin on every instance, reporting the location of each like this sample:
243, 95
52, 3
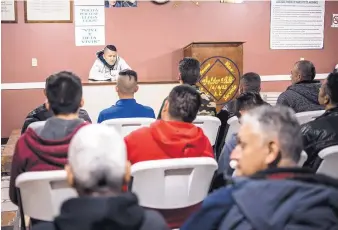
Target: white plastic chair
209, 125
305, 117
42, 193
127, 125
330, 161
303, 158
233, 127
172, 183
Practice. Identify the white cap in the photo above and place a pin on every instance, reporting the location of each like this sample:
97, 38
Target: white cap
97, 152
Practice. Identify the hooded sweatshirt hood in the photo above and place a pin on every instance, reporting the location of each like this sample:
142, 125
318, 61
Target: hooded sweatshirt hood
179, 139
50, 139
100, 213
99, 55
307, 89
307, 202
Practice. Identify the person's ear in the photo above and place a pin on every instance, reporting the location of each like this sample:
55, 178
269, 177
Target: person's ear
116, 89
165, 110
45, 93
47, 105
81, 103
136, 88
273, 153
326, 100
70, 175
127, 176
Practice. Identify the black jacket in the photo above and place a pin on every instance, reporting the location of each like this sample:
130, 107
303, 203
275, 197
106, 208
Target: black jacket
274, 199
319, 134
105, 213
41, 114
301, 97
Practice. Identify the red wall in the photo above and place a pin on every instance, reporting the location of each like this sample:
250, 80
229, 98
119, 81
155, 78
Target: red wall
151, 38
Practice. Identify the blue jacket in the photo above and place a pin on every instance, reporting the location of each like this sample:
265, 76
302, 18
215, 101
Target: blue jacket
126, 108
224, 159
275, 199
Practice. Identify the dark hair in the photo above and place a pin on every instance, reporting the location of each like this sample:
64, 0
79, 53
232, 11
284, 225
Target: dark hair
64, 92
251, 82
306, 69
184, 103
190, 70
331, 87
111, 47
130, 73
247, 101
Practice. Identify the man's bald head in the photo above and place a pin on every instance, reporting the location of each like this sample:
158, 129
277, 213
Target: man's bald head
127, 82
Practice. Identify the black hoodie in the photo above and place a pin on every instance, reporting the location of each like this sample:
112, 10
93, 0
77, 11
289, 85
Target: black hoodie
105, 213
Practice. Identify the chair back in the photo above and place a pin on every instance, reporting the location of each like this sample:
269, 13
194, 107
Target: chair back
42, 193
330, 161
303, 158
233, 127
127, 125
172, 183
209, 125
305, 117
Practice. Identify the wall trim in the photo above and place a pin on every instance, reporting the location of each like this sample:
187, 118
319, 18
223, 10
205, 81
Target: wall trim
41, 85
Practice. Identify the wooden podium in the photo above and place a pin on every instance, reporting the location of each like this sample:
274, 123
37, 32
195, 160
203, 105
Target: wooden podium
221, 68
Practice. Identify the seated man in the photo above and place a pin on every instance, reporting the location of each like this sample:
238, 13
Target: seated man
174, 136
44, 145
302, 95
323, 131
41, 113
189, 71
98, 169
243, 103
127, 106
276, 193
107, 65
250, 82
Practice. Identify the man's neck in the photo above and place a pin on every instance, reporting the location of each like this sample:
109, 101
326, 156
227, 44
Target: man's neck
71, 116
330, 106
126, 97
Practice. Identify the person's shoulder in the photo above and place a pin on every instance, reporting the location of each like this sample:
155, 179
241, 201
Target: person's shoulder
40, 109
44, 226
153, 221
109, 110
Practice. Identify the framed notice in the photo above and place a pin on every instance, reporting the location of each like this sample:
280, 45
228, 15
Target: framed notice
48, 11
9, 11
297, 24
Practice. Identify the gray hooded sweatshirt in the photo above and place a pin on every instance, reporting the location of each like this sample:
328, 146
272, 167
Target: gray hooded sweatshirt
301, 97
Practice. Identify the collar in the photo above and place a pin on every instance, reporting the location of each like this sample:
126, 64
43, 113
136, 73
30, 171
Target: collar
307, 82
282, 173
126, 101
330, 111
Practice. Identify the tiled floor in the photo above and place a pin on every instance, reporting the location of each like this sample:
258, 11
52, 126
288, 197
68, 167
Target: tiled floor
9, 219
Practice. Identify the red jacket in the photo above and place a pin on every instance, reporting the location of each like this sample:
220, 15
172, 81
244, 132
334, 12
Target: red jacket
167, 139
33, 153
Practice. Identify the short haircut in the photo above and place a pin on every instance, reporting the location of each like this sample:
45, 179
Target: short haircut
306, 69
64, 92
251, 82
190, 70
247, 101
111, 48
184, 103
97, 156
277, 122
127, 81
331, 87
